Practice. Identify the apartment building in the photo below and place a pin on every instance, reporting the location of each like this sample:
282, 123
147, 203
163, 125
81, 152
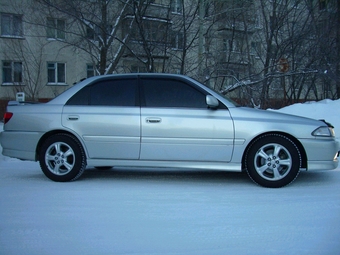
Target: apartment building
277, 52
43, 52
246, 48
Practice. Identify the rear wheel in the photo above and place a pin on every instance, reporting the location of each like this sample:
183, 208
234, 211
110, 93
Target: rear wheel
62, 158
273, 161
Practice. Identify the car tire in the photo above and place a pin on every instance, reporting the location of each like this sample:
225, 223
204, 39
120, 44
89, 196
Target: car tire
62, 158
273, 160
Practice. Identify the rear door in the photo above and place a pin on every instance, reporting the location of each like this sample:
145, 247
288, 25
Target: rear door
177, 125
106, 115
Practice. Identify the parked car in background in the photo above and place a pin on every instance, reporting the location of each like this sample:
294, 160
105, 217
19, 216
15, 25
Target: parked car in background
163, 120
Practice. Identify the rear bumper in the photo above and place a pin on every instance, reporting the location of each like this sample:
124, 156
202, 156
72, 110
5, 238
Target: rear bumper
21, 145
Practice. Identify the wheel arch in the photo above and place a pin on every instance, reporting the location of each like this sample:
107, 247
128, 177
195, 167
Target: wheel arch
292, 138
54, 132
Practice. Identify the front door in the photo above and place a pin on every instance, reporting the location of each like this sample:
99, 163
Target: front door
177, 125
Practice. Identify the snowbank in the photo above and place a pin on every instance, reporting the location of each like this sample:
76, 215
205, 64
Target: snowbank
326, 109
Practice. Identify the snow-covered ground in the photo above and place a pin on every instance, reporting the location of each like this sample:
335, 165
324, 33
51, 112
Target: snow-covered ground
133, 211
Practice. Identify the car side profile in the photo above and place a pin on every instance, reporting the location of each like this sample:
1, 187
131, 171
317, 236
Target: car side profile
163, 120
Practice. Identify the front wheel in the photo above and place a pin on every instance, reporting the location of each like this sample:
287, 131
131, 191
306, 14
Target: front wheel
273, 161
62, 158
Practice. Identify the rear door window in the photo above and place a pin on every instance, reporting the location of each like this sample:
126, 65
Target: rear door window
115, 92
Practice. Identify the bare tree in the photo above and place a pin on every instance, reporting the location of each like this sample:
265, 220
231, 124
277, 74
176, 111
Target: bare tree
325, 20
229, 45
93, 27
186, 27
32, 64
150, 34
165, 39
292, 57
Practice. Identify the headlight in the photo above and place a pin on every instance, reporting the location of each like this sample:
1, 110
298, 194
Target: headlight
324, 131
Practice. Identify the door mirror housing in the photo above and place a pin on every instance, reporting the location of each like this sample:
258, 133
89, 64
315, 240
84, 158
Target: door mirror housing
212, 102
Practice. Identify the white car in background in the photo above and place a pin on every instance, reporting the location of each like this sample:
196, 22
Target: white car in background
163, 120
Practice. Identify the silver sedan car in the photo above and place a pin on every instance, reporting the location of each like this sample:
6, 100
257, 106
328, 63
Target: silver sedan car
163, 120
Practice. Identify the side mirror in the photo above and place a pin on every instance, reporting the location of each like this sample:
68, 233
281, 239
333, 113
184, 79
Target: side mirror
211, 101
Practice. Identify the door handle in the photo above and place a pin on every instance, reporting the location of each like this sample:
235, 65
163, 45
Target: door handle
73, 117
153, 120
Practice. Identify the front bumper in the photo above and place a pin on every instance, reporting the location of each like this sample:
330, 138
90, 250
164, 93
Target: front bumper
322, 154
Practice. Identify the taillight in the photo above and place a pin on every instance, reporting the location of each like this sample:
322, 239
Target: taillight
7, 116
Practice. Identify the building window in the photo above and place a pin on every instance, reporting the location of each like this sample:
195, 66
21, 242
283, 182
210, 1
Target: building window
92, 33
256, 48
153, 30
55, 28
176, 6
232, 45
56, 73
322, 5
89, 70
296, 3
11, 72
11, 25
177, 41
138, 69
